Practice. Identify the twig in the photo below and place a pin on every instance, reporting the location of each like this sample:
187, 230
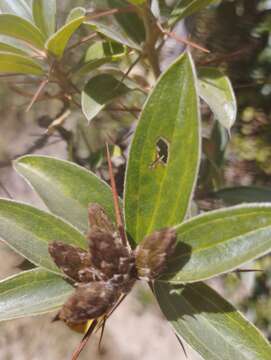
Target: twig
96, 15
82, 41
118, 215
181, 39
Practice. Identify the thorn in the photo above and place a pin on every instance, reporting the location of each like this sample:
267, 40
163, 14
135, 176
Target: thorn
37, 94
118, 215
3, 187
183, 347
102, 334
84, 341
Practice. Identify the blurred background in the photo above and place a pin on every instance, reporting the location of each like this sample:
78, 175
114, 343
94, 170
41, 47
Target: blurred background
234, 169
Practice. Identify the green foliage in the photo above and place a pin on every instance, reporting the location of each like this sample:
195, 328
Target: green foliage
162, 172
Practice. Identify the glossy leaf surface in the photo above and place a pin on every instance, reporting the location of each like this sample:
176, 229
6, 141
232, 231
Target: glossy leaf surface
17, 7
28, 231
44, 13
219, 241
216, 90
209, 324
19, 28
158, 192
31, 293
186, 8
66, 188
19, 64
57, 43
99, 91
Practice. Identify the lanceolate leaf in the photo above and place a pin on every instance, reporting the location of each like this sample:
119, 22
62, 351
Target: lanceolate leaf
11, 49
19, 64
243, 194
99, 91
186, 8
28, 231
219, 241
19, 28
17, 7
209, 324
66, 188
216, 90
164, 155
32, 292
57, 43
75, 13
44, 13
129, 22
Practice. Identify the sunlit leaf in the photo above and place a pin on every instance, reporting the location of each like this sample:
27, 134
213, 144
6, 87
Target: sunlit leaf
19, 64
44, 13
19, 28
66, 188
57, 43
209, 324
17, 7
216, 90
219, 241
31, 293
164, 156
28, 231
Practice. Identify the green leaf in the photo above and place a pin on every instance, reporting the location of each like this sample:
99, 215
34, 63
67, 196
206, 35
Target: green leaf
19, 28
4, 47
17, 7
243, 194
19, 64
57, 43
158, 194
112, 31
66, 188
129, 22
100, 91
186, 8
75, 13
209, 324
33, 292
216, 90
44, 13
99, 54
219, 241
28, 231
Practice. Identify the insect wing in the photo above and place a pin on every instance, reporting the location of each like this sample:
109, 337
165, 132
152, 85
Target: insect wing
89, 301
73, 261
152, 254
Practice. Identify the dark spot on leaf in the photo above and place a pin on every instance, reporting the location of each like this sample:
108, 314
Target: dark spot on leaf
161, 153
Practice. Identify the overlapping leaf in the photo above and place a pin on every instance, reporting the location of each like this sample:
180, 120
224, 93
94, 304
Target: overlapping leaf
209, 324
28, 231
19, 64
66, 188
216, 90
31, 293
22, 29
44, 13
57, 43
219, 242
